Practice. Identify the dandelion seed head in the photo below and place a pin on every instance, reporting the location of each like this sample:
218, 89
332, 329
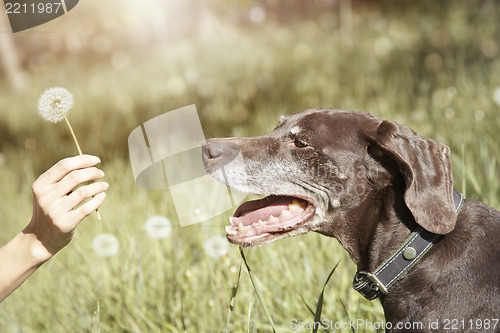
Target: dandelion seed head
106, 245
216, 247
54, 104
158, 227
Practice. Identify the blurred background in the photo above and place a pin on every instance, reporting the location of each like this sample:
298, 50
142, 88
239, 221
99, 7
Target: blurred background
431, 65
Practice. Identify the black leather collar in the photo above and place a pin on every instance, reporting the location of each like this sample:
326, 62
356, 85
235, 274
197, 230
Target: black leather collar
372, 285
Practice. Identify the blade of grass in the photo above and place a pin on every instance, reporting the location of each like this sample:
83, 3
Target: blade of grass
249, 314
96, 328
257, 292
231, 304
305, 303
373, 319
346, 313
319, 305
182, 314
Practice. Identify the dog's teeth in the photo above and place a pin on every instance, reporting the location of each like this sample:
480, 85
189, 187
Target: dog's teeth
230, 230
272, 219
296, 204
230, 220
242, 229
260, 222
285, 214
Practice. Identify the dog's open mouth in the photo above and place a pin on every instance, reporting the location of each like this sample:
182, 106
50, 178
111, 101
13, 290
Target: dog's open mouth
273, 217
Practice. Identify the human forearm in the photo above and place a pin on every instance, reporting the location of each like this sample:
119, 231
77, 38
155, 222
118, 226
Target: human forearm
18, 260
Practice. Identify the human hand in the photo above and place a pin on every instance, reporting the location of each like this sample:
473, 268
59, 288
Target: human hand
55, 199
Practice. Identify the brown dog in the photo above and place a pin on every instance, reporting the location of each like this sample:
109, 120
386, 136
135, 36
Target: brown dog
370, 183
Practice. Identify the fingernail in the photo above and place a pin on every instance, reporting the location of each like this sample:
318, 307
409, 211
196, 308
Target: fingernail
106, 185
102, 173
95, 159
101, 195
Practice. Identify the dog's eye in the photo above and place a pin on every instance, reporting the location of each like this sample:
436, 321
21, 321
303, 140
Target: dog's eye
300, 144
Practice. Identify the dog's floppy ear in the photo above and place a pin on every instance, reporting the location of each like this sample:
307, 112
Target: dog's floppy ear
426, 169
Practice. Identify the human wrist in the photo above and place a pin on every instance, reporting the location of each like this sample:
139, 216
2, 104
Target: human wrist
34, 253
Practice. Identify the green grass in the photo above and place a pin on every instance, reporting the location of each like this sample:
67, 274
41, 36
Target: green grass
241, 83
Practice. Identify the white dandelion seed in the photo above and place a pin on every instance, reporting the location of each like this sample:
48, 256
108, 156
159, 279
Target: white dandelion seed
216, 247
54, 104
158, 227
105, 245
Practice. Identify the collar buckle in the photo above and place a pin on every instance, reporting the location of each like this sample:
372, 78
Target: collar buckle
377, 285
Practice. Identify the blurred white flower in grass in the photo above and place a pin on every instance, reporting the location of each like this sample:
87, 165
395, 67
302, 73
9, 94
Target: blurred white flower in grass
158, 227
257, 14
106, 245
479, 115
449, 112
451, 91
496, 96
216, 246
54, 103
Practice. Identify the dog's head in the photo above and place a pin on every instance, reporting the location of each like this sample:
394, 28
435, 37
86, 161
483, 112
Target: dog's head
322, 169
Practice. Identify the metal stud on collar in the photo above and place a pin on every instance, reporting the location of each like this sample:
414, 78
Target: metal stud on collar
409, 253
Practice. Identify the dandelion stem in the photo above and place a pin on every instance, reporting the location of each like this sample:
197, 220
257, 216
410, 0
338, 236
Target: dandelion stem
74, 136
81, 153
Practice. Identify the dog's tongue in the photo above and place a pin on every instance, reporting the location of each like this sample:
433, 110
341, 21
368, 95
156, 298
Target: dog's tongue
263, 213
271, 214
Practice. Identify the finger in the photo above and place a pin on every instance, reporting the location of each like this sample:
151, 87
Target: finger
81, 194
65, 166
77, 215
75, 178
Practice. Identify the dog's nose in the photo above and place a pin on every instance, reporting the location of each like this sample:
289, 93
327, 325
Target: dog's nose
218, 152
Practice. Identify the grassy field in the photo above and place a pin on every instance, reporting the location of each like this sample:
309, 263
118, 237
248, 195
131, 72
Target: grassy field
435, 68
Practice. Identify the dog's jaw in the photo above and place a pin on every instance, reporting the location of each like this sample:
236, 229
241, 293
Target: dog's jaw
267, 238
266, 220
235, 178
